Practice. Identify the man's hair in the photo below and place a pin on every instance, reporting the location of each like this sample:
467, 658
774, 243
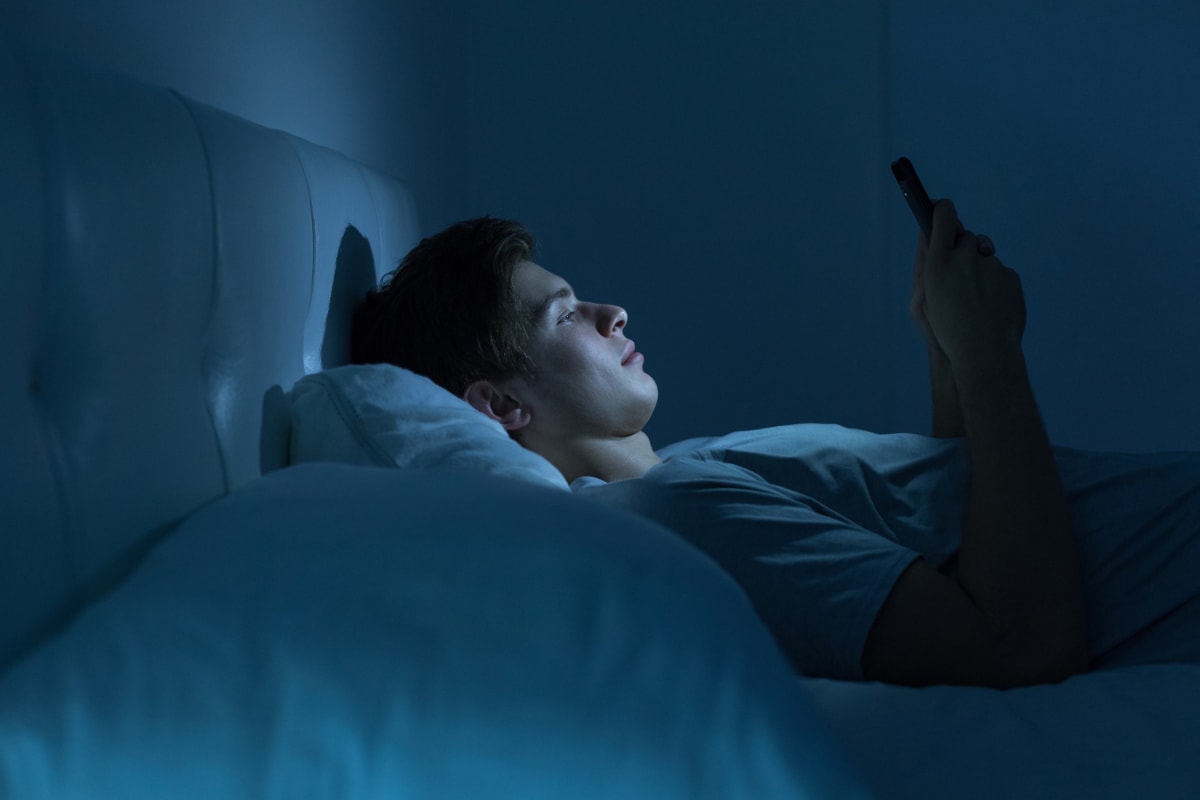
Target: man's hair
449, 312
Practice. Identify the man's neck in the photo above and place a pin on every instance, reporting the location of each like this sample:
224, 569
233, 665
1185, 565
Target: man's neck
607, 459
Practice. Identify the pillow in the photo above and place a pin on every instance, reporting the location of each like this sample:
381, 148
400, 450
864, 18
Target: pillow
383, 415
330, 631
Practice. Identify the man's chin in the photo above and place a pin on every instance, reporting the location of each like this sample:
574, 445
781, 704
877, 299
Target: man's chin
652, 403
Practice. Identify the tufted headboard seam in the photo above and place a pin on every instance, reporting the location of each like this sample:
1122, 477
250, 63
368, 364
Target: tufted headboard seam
225, 482
312, 280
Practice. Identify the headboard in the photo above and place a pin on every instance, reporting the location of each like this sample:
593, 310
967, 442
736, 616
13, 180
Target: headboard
169, 270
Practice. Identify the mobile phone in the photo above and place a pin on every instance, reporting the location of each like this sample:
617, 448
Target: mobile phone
915, 194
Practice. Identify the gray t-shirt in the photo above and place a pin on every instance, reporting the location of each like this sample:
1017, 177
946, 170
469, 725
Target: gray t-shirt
817, 522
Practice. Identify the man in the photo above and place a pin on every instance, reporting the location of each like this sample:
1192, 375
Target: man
935, 578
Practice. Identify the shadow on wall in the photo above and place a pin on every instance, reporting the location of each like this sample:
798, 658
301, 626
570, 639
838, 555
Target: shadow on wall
1103, 246
354, 275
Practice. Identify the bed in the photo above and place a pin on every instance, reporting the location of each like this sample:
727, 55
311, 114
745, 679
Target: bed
234, 566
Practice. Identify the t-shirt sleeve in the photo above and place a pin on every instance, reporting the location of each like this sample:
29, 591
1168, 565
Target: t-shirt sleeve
815, 578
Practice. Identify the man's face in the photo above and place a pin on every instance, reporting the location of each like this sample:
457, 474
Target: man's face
589, 378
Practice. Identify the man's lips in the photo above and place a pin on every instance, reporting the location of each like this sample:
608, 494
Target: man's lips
631, 354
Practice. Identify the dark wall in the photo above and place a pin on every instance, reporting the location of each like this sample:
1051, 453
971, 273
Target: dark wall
721, 171
1068, 131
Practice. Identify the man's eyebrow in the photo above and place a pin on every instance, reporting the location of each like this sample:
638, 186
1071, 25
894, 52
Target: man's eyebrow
540, 309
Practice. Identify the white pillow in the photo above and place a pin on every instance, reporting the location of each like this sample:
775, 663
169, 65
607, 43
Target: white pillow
382, 415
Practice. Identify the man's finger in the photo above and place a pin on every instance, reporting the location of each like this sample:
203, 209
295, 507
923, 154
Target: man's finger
945, 227
919, 257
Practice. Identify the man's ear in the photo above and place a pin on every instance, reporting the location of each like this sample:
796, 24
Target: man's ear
492, 401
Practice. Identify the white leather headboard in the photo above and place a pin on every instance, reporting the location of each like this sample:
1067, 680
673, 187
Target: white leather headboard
168, 272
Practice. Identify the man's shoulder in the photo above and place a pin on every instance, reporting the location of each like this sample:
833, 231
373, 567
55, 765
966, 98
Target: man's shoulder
710, 462
800, 440
696, 478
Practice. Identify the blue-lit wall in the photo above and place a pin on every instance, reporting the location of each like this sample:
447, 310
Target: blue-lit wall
355, 76
720, 169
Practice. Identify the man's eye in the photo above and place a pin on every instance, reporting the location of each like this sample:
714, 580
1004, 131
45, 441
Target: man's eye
567, 317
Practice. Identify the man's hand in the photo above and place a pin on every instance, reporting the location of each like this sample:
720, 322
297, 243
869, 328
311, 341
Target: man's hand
966, 302
916, 303
947, 412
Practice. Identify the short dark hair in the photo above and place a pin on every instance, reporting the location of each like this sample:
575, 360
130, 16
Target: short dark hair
448, 311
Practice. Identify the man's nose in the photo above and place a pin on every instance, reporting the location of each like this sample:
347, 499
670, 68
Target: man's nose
610, 319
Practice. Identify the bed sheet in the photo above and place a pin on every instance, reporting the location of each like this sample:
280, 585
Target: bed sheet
1120, 733
353, 632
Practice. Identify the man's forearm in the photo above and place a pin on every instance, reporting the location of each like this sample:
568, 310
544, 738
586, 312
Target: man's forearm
1017, 559
947, 414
